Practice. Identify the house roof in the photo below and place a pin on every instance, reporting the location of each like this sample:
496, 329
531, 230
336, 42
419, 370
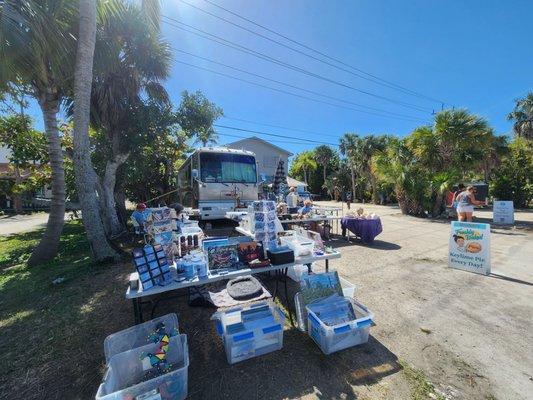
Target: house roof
262, 141
293, 182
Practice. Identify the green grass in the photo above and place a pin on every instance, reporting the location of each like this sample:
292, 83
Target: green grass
47, 328
421, 387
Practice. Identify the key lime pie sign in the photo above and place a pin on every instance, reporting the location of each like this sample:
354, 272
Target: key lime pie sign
470, 247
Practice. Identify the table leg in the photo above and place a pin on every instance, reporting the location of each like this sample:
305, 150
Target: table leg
289, 308
275, 287
137, 311
309, 269
327, 265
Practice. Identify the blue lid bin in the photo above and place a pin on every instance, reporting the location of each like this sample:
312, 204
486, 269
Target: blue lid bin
138, 335
334, 337
126, 375
250, 331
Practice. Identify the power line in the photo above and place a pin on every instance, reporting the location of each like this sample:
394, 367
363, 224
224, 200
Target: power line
271, 134
297, 87
278, 126
374, 77
246, 50
270, 140
286, 92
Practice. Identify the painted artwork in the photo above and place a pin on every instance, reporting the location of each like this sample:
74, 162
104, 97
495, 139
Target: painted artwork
223, 257
248, 252
316, 286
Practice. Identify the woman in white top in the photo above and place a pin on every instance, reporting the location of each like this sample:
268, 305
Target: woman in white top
465, 204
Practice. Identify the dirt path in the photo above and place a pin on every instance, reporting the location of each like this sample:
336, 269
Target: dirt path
470, 334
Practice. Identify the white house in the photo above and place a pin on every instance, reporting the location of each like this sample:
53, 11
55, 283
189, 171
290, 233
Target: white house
267, 155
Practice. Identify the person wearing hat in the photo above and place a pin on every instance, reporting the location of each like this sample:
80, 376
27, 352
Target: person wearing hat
140, 214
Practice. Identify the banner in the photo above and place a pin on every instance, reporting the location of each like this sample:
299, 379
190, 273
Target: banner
470, 247
503, 212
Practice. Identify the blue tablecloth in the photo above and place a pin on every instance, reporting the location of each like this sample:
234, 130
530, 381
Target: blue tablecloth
366, 229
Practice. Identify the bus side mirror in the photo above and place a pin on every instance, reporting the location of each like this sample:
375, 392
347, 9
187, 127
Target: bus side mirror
195, 173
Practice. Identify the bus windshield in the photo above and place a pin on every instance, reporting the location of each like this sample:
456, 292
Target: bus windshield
227, 168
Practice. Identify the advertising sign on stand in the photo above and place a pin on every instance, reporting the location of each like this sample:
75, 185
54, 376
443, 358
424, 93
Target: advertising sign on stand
470, 247
503, 212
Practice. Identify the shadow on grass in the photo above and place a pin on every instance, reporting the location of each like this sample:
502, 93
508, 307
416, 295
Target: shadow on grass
53, 337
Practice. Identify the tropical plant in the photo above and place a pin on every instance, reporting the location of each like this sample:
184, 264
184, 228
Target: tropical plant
303, 163
397, 165
456, 144
359, 151
323, 155
513, 180
196, 116
522, 115
36, 49
86, 178
27, 155
131, 60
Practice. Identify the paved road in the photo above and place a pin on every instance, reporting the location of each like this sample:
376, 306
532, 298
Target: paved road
22, 223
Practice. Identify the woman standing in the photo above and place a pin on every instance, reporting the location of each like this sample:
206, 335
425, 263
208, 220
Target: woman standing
465, 204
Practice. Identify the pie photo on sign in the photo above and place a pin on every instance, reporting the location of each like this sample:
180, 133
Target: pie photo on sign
473, 247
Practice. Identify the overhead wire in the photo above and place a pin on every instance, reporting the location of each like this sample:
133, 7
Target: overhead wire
413, 92
270, 140
288, 93
238, 47
358, 74
271, 134
297, 87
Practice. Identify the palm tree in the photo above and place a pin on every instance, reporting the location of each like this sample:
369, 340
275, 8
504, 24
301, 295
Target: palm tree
36, 49
523, 117
348, 144
304, 162
455, 144
323, 155
131, 59
86, 178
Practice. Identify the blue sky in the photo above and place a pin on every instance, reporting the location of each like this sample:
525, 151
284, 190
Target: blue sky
472, 54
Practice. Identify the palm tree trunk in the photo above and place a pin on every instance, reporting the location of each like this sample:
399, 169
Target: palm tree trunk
324, 183
305, 176
375, 197
48, 246
352, 172
86, 178
108, 186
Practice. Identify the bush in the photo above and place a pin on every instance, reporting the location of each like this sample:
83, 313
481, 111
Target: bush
514, 179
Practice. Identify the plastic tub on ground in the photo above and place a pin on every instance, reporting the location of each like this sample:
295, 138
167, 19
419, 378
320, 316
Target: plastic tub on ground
138, 335
124, 374
341, 336
250, 331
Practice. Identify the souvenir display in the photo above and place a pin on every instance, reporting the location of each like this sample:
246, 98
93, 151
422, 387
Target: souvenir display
152, 265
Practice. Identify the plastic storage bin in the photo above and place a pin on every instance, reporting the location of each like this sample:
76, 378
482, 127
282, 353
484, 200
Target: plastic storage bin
301, 246
125, 370
137, 335
250, 331
338, 337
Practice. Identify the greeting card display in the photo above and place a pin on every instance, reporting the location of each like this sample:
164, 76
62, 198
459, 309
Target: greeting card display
152, 265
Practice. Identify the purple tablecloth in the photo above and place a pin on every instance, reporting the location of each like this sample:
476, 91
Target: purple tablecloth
366, 229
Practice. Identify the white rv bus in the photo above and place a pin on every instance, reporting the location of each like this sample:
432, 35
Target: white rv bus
216, 180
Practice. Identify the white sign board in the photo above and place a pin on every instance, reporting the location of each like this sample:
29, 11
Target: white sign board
503, 212
470, 247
